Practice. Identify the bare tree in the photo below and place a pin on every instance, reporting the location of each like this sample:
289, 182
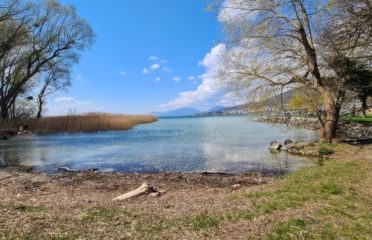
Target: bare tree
51, 32
55, 79
276, 44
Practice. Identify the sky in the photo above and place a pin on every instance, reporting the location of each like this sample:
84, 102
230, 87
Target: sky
149, 55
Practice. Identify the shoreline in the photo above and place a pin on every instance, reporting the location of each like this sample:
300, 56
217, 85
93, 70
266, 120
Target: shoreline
191, 206
203, 179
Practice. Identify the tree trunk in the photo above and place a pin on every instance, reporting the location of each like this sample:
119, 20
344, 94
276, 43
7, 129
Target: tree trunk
40, 107
40, 98
364, 106
329, 128
338, 109
4, 110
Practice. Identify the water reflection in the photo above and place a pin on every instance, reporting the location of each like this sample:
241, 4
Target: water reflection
240, 160
224, 144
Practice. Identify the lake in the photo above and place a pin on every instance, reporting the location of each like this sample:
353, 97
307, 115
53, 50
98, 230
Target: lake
210, 144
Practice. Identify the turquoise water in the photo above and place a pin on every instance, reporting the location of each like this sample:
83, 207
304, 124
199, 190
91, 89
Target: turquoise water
212, 144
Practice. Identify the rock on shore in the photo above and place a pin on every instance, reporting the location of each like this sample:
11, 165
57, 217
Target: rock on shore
300, 147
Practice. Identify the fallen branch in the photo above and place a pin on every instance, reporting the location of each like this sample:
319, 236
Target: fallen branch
66, 169
143, 189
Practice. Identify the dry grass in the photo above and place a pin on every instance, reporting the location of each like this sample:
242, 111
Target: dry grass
90, 122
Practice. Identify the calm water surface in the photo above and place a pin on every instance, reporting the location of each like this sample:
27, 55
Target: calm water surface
213, 144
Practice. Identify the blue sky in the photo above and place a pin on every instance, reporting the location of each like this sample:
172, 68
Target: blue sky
149, 55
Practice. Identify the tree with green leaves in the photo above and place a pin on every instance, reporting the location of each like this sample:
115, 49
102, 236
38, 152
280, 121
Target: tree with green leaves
352, 76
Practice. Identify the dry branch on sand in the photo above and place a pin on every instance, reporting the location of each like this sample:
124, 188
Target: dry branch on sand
145, 188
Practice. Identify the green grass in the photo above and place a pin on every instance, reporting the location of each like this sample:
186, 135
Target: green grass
337, 192
28, 209
290, 229
331, 193
361, 119
334, 192
203, 221
105, 213
101, 213
326, 149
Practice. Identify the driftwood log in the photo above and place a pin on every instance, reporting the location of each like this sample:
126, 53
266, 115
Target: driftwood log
145, 188
66, 169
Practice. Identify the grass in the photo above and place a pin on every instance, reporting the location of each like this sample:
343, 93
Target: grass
91, 122
326, 149
361, 119
202, 221
104, 213
289, 230
330, 202
28, 209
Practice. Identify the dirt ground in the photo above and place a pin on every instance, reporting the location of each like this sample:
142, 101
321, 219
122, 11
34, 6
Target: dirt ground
75, 195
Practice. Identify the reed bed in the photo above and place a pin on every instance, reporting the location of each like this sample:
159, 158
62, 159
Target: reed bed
91, 122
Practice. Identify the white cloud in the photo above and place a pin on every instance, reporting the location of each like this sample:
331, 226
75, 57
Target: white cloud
176, 79
153, 58
157, 79
210, 92
151, 69
123, 72
64, 105
192, 78
154, 66
165, 69
145, 71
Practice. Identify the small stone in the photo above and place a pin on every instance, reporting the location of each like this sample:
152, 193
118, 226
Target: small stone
275, 145
236, 186
287, 147
154, 194
301, 144
288, 141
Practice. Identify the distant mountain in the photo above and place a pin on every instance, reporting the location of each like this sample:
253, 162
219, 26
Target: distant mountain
226, 111
239, 110
180, 112
216, 109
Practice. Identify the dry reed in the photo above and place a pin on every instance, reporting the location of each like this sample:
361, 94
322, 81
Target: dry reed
90, 122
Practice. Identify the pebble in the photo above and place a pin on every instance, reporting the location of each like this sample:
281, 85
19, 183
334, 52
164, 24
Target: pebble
236, 186
154, 194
